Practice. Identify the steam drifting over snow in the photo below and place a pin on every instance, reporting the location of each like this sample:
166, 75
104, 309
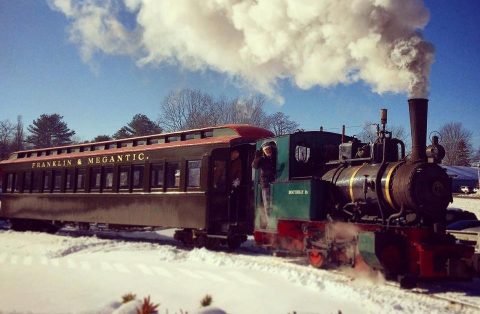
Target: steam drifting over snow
311, 42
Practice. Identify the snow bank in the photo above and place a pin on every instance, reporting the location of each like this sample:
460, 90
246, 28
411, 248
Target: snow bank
55, 274
470, 204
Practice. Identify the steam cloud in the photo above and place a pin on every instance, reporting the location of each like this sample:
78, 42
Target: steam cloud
258, 42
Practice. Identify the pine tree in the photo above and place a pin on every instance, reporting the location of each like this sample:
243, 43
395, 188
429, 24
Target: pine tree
102, 138
138, 126
49, 130
463, 154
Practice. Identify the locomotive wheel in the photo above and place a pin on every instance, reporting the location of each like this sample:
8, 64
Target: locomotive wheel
407, 281
316, 258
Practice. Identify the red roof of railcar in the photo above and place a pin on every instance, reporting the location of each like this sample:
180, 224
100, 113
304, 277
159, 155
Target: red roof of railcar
242, 131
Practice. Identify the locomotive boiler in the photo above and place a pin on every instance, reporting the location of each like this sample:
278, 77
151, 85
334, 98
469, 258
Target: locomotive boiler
387, 186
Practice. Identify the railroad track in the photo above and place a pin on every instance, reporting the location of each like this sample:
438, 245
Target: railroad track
452, 300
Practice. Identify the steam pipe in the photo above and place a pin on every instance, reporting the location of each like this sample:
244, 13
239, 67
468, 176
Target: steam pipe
418, 109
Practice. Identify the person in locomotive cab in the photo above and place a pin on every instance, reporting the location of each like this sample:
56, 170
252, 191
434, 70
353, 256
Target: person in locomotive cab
265, 161
235, 179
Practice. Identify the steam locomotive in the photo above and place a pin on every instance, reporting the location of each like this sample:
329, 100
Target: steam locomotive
371, 205
334, 198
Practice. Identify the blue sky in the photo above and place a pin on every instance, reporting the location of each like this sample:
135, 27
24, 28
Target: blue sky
41, 71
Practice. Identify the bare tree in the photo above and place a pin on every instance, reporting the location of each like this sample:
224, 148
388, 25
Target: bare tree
457, 143
280, 123
189, 109
247, 111
185, 109
369, 132
19, 136
7, 130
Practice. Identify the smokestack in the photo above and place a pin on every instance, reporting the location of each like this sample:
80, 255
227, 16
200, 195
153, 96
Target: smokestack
418, 109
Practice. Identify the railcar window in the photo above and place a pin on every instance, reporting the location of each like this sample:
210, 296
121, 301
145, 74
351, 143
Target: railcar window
85, 149
193, 179
137, 176
156, 140
223, 132
17, 182
10, 181
99, 147
37, 181
76, 150
81, 180
173, 174
124, 174
108, 181
192, 136
156, 176
27, 182
173, 138
47, 181
125, 144
140, 142
69, 180
95, 179
57, 180
208, 134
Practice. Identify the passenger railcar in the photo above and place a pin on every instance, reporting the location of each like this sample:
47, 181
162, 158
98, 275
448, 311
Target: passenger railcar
176, 180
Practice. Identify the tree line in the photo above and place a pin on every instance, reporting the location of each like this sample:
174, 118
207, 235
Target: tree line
180, 110
189, 109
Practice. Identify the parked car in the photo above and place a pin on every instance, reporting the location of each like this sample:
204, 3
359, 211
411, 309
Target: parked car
465, 189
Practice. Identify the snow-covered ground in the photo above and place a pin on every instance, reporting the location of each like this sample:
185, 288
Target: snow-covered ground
471, 204
41, 273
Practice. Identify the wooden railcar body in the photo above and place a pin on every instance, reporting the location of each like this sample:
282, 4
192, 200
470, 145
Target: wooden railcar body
159, 180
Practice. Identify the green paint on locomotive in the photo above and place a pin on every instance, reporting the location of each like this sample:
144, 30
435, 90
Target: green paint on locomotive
367, 247
296, 193
298, 200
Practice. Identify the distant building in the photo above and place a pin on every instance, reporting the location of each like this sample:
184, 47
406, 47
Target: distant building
462, 176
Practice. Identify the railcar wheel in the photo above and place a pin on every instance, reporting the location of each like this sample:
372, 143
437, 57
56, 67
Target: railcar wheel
316, 258
200, 241
19, 225
233, 243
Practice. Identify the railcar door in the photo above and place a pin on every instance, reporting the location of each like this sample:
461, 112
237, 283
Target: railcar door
231, 192
218, 191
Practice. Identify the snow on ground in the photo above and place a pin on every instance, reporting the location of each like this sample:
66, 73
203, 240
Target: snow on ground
43, 273
471, 204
